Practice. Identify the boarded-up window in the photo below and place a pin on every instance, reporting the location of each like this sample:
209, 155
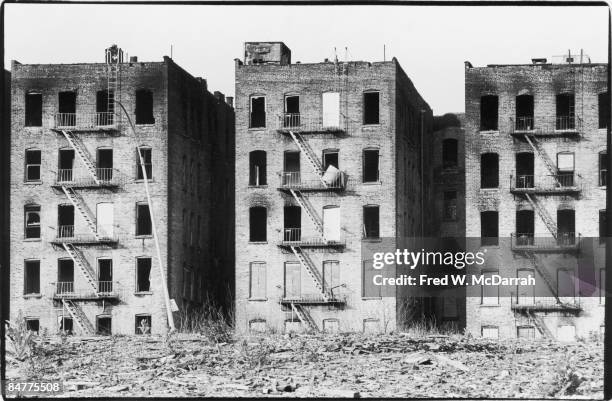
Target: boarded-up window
525, 332
331, 275
490, 293
258, 280
369, 289
490, 331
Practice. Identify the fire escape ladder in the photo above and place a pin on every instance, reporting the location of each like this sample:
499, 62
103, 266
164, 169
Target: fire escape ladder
548, 220
538, 322
78, 316
311, 269
545, 274
535, 145
309, 153
79, 260
82, 153
79, 204
304, 316
305, 205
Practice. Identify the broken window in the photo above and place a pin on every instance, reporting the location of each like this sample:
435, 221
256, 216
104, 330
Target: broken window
490, 293
104, 325
371, 225
370, 165
257, 168
65, 221
565, 111
257, 224
524, 170
292, 111
32, 277
142, 324
143, 274
331, 275
32, 167
371, 105
604, 110
291, 168
524, 113
143, 220
66, 165
258, 112
565, 166
524, 227
32, 221
603, 168
33, 325
144, 107
368, 288
488, 113
292, 223
66, 109
566, 226
33, 110
330, 158
65, 325
489, 170
257, 281
602, 226
65, 276
145, 153
450, 205
105, 275
105, 108
104, 163
489, 232
449, 153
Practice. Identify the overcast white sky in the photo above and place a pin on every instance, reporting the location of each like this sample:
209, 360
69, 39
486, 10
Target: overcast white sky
431, 43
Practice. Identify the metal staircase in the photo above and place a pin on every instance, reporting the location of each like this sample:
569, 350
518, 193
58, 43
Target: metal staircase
545, 274
79, 260
546, 218
535, 145
82, 153
312, 270
307, 151
312, 214
304, 316
79, 317
538, 322
79, 204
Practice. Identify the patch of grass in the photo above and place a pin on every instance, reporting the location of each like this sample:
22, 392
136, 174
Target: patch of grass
208, 320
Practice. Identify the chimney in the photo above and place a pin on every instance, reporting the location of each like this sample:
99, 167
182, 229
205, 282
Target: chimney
133, 59
220, 96
230, 101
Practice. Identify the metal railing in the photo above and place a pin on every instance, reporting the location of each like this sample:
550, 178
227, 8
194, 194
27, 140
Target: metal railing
106, 289
293, 180
561, 125
564, 123
73, 177
64, 287
85, 120
531, 241
293, 236
65, 231
105, 286
562, 182
524, 124
304, 123
67, 234
543, 303
313, 299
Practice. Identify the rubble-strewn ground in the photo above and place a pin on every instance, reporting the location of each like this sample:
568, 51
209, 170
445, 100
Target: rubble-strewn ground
339, 365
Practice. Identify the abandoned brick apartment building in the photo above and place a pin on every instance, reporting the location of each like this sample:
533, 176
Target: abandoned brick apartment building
535, 193
328, 158
82, 252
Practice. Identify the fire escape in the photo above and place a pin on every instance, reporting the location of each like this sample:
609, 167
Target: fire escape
72, 126
531, 188
297, 127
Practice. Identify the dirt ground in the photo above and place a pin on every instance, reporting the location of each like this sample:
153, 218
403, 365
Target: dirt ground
338, 365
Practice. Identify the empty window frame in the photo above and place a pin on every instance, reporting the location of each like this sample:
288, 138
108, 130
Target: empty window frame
143, 219
66, 109
33, 325
524, 170
331, 158
489, 105
490, 293
257, 112
292, 219
32, 164
105, 275
370, 165
565, 109
257, 168
604, 109
525, 226
142, 324
368, 288
566, 226
33, 110
105, 108
450, 206
104, 164
603, 169
524, 113
31, 282
104, 325
565, 166
257, 286
32, 221
489, 170
258, 216
143, 274
65, 221
489, 228
292, 111
371, 222
147, 161
144, 107
66, 325
371, 107
449, 153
